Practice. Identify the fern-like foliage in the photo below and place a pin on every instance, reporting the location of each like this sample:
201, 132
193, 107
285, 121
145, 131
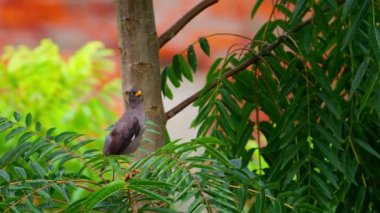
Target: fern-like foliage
310, 100
36, 174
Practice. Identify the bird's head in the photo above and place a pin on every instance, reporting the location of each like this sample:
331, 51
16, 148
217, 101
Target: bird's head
134, 97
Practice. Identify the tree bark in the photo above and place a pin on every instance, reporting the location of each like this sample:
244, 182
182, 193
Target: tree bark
139, 52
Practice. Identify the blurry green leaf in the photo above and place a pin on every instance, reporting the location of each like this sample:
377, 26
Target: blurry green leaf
329, 155
50, 131
367, 147
26, 136
102, 193
256, 8
333, 4
37, 168
331, 103
17, 116
21, 173
185, 68
259, 202
149, 193
168, 92
4, 175
360, 195
355, 25
14, 132
321, 184
191, 58
177, 67
38, 126
308, 207
374, 38
358, 77
195, 203
5, 125
61, 190
347, 7
204, 45
299, 8
173, 77
81, 144
28, 120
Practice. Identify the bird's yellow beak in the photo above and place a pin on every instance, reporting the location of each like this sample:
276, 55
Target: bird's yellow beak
138, 93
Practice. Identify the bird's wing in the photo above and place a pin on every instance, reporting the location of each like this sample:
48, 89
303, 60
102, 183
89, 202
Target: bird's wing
128, 131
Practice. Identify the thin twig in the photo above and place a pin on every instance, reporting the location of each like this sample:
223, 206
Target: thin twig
268, 196
182, 22
255, 59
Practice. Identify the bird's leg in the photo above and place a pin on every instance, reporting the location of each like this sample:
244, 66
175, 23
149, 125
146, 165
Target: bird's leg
130, 174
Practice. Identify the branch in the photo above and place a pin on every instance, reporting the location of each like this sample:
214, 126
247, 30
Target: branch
254, 60
181, 23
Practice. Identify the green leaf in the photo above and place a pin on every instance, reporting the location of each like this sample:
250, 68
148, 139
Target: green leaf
80, 144
204, 45
333, 4
26, 136
5, 126
38, 126
191, 58
367, 147
168, 92
102, 193
355, 25
21, 173
308, 207
360, 195
61, 190
4, 175
329, 155
14, 132
37, 167
177, 67
28, 120
195, 203
374, 38
17, 116
299, 8
150, 183
358, 77
322, 185
185, 68
347, 7
149, 193
331, 103
256, 8
260, 201
50, 132
326, 171
173, 77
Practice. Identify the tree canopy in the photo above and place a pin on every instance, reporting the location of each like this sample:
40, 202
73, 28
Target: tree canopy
288, 121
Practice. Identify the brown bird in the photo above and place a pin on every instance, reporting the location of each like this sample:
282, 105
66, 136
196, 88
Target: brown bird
127, 132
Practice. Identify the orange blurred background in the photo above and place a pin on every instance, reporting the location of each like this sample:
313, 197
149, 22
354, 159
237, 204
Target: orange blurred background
72, 23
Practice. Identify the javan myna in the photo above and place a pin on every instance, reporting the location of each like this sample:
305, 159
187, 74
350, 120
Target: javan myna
127, 132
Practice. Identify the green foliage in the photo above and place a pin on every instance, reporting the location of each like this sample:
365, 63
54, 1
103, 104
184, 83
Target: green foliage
33, 176
317, 151
71, 89
319, 86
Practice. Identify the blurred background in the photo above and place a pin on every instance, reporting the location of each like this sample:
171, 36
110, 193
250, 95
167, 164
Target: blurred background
59, 59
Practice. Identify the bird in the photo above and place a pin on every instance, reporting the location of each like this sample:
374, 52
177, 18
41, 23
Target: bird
127, 133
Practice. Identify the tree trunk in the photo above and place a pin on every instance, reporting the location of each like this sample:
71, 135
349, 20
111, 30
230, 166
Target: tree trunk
140, 68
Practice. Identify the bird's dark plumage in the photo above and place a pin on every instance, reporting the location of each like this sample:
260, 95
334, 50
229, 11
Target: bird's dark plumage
127, 132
